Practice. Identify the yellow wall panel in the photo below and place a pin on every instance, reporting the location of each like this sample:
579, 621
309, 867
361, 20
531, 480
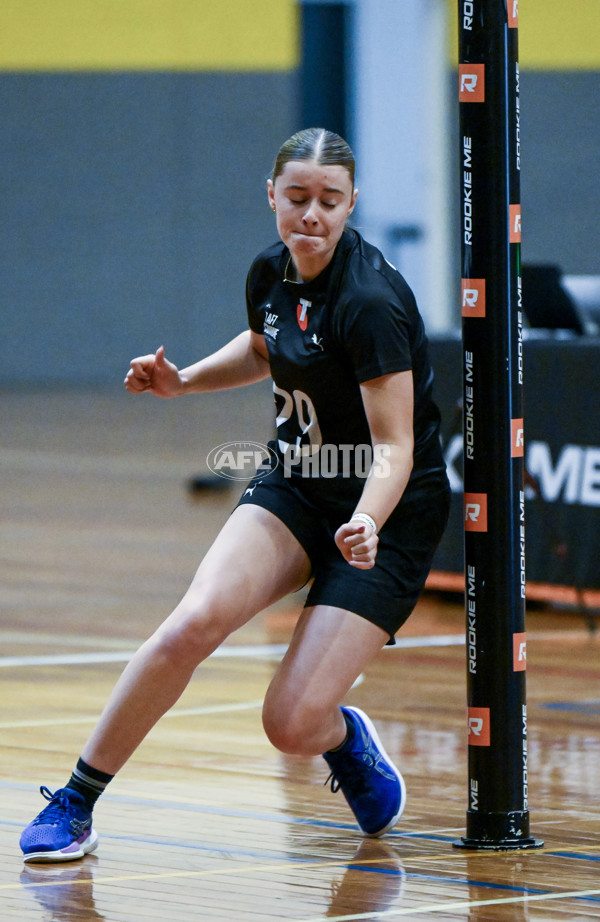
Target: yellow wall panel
559, 34
553, 34
238, 35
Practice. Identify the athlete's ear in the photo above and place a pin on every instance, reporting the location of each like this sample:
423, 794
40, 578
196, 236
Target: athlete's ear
271, 194
353, 201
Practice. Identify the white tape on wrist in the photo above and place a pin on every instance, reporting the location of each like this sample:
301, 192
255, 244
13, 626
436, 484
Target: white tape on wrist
363, 517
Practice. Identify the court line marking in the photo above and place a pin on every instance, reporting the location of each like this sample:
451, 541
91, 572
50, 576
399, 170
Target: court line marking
175, 712
206, 872
122, 643
453, 906
526, 895
228, 650
184, 804
578, 856
123, 656
29, 638
573, 707
448, 906
187, 806
368, 864
579, 853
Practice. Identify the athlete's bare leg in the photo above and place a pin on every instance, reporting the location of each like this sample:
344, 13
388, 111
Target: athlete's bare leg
329, 650
254, 561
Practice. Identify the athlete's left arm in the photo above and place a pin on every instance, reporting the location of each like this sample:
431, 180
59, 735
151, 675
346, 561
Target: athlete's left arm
389, 403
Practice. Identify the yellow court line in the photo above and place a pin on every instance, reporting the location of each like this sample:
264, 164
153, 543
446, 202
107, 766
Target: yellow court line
248, 869
168, 875
386, 914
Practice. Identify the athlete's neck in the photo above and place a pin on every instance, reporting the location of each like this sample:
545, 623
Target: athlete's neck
293, 274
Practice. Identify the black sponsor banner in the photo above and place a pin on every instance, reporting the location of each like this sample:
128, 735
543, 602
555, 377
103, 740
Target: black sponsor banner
494, 498
562, 457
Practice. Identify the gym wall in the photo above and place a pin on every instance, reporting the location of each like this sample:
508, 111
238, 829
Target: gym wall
136, 137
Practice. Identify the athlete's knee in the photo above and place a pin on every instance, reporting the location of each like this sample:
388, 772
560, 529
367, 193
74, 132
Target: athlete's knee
291, 723
189, 636
282, 732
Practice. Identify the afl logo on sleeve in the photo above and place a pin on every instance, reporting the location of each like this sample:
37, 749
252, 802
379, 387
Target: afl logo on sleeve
302, 313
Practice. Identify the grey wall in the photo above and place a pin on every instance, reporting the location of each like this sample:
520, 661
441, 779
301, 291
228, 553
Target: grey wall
132, 205
560, 184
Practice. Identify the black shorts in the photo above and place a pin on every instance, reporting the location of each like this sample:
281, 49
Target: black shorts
386, 594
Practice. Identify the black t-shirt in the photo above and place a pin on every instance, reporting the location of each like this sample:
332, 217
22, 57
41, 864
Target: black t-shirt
355, 321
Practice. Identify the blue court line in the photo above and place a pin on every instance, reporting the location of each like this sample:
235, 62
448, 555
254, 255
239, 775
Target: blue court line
397, 834
488, 885
239, 814
575, 856
465, 881
290, 821
350, 865
576, 707
469, 882
217, 849
273, 818
224, 849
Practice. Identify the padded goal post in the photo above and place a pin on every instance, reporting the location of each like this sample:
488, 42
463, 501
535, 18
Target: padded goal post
493, 430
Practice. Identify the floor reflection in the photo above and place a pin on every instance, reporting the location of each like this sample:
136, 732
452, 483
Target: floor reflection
373, 881
66, 892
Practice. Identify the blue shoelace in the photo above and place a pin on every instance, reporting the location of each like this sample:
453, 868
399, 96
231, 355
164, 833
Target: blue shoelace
56, 809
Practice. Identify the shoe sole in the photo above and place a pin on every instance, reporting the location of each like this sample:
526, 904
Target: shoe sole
71, 853
374, 734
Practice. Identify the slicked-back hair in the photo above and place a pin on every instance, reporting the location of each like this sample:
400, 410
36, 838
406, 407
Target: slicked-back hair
319, 145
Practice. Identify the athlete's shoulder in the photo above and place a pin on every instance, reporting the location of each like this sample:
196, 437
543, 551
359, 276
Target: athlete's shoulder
268, 260
369, 276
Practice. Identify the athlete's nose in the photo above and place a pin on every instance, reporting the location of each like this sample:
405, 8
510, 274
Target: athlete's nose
310, 215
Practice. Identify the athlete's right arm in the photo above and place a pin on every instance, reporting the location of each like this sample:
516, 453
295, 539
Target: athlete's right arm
244, 360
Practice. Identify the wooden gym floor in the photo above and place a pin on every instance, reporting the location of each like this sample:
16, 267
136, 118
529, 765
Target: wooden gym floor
99, 537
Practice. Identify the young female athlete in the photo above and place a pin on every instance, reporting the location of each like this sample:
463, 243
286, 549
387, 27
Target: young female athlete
357, 501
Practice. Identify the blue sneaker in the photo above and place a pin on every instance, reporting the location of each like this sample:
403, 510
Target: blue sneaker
367, 777
62, 831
